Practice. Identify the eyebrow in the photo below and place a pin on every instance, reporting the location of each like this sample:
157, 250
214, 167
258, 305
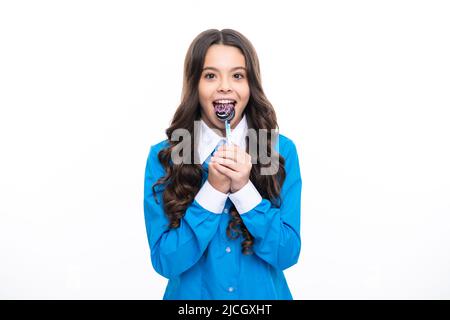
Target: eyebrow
215, 69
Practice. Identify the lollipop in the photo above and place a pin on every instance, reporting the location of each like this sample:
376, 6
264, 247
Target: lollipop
225, 113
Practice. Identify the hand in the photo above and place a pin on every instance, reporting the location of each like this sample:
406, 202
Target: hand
218, 180
234, 163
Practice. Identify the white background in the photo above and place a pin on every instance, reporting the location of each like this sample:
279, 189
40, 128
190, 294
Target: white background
362, 87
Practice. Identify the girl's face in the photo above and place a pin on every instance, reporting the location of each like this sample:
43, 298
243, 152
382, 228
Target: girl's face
223, 77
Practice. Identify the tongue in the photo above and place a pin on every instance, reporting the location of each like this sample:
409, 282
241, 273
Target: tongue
224, 111
223, 107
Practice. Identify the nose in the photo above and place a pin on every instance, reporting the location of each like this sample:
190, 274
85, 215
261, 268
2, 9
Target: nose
224, 86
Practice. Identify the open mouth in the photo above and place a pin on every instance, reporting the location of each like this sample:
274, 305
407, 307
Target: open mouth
224, 109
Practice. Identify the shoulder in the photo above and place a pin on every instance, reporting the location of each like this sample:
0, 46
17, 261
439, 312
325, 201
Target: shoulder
153, 162
288, 150
286, 146
157, 147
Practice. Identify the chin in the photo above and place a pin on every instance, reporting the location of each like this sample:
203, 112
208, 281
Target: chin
220, 124
216, 122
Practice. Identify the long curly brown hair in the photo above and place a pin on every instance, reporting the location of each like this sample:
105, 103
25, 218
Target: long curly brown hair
182, 181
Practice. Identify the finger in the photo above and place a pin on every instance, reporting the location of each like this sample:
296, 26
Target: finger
228, 163
213, 168
225, 154
229, 151
226, 171
238, 156
233, 147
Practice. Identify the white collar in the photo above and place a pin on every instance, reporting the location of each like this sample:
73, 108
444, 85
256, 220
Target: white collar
209, 139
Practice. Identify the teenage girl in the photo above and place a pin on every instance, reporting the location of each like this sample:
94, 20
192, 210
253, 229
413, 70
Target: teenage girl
220, 223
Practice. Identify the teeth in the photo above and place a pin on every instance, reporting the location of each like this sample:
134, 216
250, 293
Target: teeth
224, 101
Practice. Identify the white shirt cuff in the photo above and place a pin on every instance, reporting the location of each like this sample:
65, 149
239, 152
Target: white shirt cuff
211, 199
246, 198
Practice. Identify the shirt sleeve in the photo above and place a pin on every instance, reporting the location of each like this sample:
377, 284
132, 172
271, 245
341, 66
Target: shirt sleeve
211, 199
174, 250
246, 198
276, 231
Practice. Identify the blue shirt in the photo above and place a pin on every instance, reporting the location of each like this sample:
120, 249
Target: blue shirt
198, 258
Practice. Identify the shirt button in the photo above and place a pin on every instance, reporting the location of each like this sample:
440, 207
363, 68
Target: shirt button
230, 289
228, 249
225, 210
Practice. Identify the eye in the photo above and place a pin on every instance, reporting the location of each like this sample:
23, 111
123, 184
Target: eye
208, 74
239, 74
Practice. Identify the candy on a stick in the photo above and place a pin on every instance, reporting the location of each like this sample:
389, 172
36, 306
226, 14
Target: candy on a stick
225, 113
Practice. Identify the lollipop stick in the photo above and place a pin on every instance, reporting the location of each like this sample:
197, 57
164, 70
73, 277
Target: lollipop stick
228, 132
